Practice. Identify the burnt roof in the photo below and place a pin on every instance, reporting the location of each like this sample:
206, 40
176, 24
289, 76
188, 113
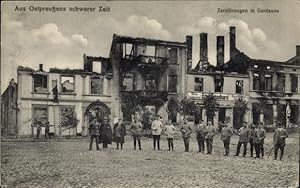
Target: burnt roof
147, 41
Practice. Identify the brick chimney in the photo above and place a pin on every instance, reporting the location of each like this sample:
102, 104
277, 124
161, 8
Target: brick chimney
232, 41
40, 67
203, 47
189, 43
220, 50
298, 50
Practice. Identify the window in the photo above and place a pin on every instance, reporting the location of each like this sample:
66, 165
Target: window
218, 84
281, 82
97, 66
198, 84
96, 85
239, 84
294, 116
294, 83
40, 83
255, 81
172, 83
172, 55
268, 82
268, 114
40, 116
127, 82
67, 116
127, 50
67, 84
150, 83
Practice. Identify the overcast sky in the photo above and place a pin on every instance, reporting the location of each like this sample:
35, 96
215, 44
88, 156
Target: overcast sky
60, 39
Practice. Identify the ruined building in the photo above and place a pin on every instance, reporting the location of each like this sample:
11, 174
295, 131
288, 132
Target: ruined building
152, 75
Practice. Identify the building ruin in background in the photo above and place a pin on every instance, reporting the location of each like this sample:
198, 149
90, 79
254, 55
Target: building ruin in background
151, 73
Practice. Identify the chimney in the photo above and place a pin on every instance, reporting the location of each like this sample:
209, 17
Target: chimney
232, 40
220, 50
298, 50
203, 47
40, 67
189, 43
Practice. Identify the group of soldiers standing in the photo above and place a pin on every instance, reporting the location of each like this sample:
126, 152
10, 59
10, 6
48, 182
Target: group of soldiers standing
102, 133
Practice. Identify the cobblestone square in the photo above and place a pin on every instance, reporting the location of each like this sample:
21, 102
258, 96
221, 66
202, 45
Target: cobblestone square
68, 163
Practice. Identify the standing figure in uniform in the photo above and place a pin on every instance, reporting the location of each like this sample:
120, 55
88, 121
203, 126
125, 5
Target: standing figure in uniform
260, 137
244, 137
170, 131
211, 132
186, 133
201, 131
279, 137
136, 132
226, 133
105, 132
47, 130
156, 128
94, 133
252, 140
38, 130
119, 132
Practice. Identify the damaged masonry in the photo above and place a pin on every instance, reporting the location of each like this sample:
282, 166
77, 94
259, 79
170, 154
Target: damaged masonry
149, 75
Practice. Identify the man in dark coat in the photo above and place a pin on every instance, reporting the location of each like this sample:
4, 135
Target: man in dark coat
279, 137
244, 137
119, 132
47, 130
94, 133
105, 132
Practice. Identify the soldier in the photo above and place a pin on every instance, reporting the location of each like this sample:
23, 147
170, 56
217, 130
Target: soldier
105, 132
119, 132
244, 136
136, 132
38, 131
47, 130
279, 137
226, 133
201, 131
211, 132
94, 133
170, 131
252, 140
156, 128
260, 137
186, 133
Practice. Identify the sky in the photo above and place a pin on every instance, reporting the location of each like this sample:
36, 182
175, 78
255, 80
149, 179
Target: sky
30, 38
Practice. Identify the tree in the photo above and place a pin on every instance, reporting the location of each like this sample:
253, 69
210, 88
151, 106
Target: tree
240, 109
187, 106
211, 105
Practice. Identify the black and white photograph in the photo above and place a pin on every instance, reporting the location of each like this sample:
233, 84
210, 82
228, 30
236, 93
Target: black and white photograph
176, 94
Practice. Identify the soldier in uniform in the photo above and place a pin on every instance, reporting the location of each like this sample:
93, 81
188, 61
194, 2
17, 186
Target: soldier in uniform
226, 133
119, 132
279, 137
201, 131
47, 130
136, 132
94, 133
244, 137
252, 140
211, 132
260, 137
105, 132
186, 133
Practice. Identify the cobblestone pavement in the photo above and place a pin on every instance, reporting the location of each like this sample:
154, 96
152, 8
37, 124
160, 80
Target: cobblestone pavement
68, 163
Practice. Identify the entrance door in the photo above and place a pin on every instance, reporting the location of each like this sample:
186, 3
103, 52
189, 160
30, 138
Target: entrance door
222, 114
